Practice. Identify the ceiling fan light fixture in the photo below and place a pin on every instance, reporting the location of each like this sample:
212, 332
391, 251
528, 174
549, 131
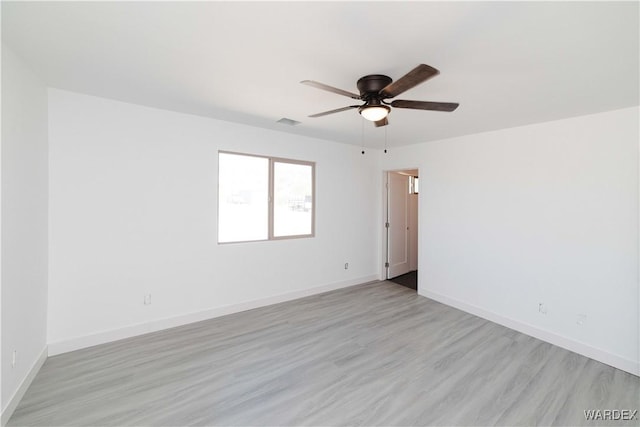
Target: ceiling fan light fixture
374, 113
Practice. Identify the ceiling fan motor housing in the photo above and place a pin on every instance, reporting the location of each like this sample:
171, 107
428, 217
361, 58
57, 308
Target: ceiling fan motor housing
371, 85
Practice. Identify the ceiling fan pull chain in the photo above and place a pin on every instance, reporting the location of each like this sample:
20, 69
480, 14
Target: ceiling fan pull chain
385, 139
362, 134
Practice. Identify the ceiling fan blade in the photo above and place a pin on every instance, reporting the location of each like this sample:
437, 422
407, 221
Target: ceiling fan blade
382, 122
337, 110
328, 88
425, 105
413, 78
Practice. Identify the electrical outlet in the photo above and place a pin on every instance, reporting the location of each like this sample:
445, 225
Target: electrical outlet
581, 319
346, 265
542, 308
13, 358
147, 299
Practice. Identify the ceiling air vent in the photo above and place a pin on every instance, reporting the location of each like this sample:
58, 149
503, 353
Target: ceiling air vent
288, 122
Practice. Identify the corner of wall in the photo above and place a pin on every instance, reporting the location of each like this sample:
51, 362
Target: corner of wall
24, 200
13, 402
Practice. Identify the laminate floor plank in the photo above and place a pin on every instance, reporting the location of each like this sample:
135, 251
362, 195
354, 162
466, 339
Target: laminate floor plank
373, 354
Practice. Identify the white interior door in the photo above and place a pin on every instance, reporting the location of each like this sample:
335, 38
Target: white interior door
398, 225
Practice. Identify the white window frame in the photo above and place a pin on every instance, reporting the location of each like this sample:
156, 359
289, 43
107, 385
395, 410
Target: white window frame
271, 209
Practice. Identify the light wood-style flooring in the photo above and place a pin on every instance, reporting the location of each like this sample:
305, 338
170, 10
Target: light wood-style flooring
373, 354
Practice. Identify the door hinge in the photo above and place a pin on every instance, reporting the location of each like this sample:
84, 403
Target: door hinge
386, 225
386, 265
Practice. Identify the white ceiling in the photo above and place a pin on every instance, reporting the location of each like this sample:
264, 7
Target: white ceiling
506, 63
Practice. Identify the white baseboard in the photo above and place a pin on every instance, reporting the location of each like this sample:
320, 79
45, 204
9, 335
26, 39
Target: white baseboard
22, 389
77, 343
627, 365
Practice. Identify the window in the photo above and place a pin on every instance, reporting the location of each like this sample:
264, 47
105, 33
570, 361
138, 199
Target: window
243, 198
263, 198
292, 199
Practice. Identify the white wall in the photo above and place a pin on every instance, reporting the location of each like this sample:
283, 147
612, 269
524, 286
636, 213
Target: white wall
543, 213
24, 225
133, 210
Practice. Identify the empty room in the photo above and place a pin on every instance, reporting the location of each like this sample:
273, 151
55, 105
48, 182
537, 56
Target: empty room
320, 213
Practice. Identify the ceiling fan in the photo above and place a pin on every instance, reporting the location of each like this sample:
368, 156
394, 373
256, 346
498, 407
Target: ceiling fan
375, 89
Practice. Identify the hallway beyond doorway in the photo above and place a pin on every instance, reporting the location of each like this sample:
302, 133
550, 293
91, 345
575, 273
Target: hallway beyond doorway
410, 280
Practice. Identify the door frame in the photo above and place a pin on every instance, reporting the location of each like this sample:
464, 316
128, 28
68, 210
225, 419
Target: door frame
384, 240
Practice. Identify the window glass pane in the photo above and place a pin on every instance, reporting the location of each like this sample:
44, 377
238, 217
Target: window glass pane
243, 197
293, 198
415, 185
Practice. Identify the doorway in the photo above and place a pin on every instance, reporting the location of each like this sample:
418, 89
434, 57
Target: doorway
401, 227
